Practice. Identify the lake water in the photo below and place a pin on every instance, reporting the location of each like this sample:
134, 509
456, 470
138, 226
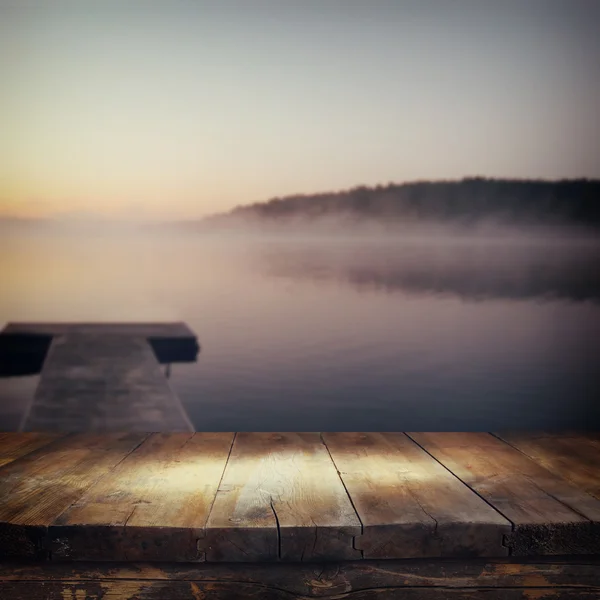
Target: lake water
316, 335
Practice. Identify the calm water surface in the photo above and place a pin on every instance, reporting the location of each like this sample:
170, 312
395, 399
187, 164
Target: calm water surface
332, 335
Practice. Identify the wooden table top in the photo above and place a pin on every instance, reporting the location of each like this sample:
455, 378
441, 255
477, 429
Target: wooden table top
254, 497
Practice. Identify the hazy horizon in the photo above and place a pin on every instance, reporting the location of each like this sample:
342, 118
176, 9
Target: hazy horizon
180, 110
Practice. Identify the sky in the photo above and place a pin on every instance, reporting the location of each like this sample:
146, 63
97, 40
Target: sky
179, 109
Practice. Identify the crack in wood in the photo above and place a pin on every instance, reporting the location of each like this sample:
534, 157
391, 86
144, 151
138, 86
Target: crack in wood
278, 528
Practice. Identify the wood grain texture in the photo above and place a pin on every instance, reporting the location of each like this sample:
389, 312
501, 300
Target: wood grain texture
281, 499
15, 445
410, 506
184, 590
355, 579
104, 382
549, 514
575, 458
38, 487
154, 505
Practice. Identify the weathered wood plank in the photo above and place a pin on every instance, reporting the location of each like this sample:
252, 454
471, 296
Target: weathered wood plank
154, 505
354, 579
15, 445
572, 457
549, 515
410, 506
104, 382
183, 590
38, 487
281, 499
554, 571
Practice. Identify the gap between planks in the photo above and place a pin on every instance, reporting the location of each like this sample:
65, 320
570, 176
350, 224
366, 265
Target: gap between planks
362, 527
504, 540
550, 514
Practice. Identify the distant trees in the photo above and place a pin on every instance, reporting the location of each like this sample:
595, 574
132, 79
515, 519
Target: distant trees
470, 199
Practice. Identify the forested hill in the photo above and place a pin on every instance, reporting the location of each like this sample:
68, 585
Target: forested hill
566, 202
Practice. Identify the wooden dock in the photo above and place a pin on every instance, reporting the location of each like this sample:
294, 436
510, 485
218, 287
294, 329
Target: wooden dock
300, 515
177, 330
101, 376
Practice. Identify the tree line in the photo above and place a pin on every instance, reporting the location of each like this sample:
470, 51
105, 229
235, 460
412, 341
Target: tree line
575, 202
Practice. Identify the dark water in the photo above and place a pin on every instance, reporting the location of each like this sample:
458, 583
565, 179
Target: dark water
421, 334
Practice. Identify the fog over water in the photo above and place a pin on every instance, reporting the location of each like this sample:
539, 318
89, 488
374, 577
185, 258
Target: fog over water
418, 329
376, 215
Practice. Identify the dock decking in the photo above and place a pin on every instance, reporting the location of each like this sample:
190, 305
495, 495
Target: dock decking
101, 376
146, 330
299, 515
104, 382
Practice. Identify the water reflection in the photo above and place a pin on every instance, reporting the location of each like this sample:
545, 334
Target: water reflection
472, 272
343, 335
